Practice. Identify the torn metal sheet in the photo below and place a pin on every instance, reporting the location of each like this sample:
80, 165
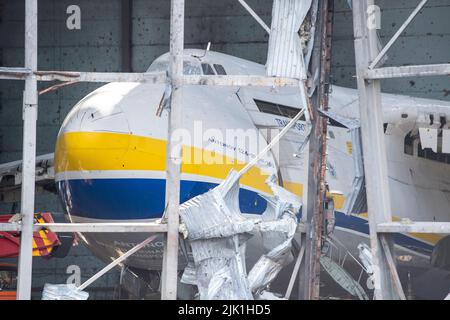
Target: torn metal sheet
222, 205
343, 278
189, 274
312, 30
278, 227
349, 123
356, 201
285, 54
365, 255
63, 292
266, 295
164, 103
217, 232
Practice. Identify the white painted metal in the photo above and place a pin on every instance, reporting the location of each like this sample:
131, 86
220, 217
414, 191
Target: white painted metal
30, 101
173, 164
110, 227
255, 15
285, 53
414, 227
387, 250
380, 220
409, 71
100, 76
150, 77
374, 150
10, 226
382, 53
13, 73
104, 227
298, 262
241, 81
272, 143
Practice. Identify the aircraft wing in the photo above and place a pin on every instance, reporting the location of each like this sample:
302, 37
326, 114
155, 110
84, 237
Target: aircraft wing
11, 177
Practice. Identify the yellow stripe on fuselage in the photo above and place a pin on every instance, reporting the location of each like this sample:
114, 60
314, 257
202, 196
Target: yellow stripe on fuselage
295, 188
90, 151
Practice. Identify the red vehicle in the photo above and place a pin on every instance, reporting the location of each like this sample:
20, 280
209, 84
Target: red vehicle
44, 241
8, 281
45, 244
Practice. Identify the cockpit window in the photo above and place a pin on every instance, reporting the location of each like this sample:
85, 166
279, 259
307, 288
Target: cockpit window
207, 69
220, 69
159, 66
189, 67
277, 109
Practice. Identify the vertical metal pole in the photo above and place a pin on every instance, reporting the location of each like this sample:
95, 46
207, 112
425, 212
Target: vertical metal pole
374, 151
173, 166
317, 154
30, 100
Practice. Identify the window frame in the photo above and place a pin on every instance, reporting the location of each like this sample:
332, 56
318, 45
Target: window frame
277, 109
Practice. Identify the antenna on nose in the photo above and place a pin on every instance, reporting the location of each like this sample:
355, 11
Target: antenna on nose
208, 46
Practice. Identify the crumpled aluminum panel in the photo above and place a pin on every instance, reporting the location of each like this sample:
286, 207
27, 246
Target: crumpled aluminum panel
285, 53
63, 292
217, 232
356, 201
343, 278
213, 224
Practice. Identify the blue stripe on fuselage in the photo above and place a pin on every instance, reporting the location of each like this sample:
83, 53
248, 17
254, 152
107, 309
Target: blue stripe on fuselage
123, 199
129, 199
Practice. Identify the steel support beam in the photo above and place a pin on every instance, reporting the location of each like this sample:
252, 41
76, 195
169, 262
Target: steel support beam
71, 76
382, 53
255, 16
30, 104
10, 227
316, 190
173, 164
374, 151
409, 71
388, 252
103, 227
241, 81
414, 227
101, 76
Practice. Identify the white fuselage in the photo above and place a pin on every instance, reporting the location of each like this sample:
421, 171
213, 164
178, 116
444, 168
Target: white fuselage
111, 153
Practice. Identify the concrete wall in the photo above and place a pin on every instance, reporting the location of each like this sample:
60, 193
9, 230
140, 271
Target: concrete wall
425, 41
97, 47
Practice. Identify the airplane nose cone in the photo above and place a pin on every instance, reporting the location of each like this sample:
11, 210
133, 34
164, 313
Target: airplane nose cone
100, 111
105, 155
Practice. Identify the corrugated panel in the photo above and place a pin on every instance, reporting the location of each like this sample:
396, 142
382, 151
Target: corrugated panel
285, 54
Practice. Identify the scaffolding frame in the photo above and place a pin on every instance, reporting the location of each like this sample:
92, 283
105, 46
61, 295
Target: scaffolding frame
369, 76
170, 224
